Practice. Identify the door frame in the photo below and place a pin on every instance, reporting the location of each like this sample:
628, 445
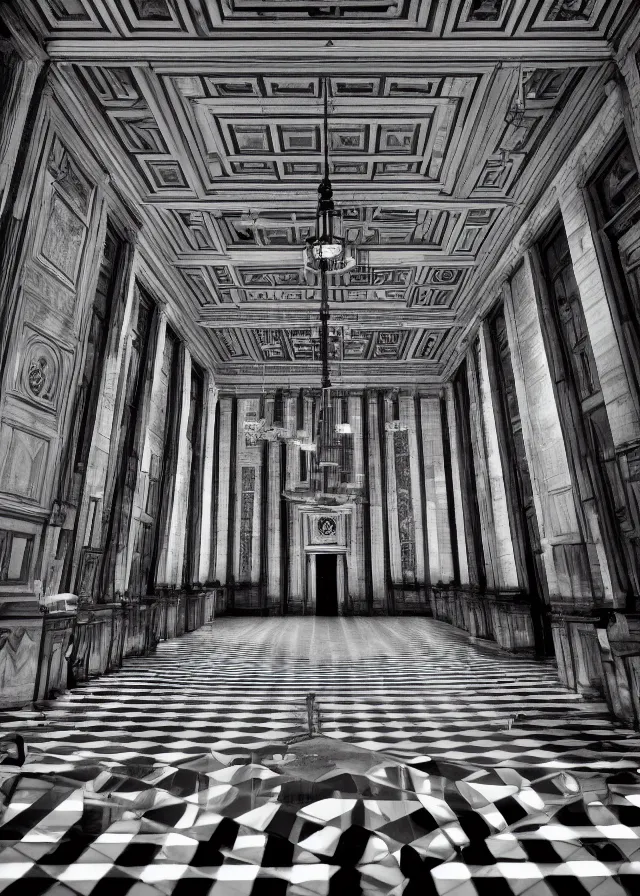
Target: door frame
341, 578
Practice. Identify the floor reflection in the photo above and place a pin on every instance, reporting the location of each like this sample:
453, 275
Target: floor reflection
312, 817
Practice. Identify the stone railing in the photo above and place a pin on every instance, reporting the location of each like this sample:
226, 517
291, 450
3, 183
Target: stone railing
503, 617
68, 643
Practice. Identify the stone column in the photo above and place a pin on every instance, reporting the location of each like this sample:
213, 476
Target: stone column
274, 587
437, 505
395, 559
408, 419
107, 413
376, 516
211, 406
297, 569
506, 568
355, 420
620, 400
293, 451
483, 488
247, 558
28, 58
308, 427
541, 428
123, 569
454, 452
358, 582
224, 488
177, 528
295, 559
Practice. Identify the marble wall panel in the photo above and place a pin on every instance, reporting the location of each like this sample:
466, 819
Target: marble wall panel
406, 521
19, 646
247, 501
436, 499
622, 409
23, 462
563, 551
377, 534
226, 440
456, 484
505, 561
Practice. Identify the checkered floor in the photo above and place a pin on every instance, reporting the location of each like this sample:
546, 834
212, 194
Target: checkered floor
442, 768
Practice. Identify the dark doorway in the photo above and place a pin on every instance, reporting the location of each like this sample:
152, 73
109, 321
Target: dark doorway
326, 585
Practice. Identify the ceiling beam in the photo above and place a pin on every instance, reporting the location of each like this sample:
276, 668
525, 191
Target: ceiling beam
291, 316
343, 374
421, 54
270, 255
372, 194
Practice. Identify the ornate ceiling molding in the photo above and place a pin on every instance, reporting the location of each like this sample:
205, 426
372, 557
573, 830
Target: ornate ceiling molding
172, 55
209, 114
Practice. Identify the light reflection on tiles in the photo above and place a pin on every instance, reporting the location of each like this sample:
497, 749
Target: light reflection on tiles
174, 775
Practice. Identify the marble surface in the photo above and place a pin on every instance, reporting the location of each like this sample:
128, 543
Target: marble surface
440, 769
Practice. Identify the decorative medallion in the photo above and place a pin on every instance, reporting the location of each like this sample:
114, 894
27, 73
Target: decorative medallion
37, 375
40, 377
327, 526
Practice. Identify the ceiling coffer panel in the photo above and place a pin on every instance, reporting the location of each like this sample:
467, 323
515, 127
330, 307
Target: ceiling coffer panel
220, 146
382, 129
346, 343
205, 18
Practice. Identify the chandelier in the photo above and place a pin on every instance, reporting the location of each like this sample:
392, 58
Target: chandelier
325, 253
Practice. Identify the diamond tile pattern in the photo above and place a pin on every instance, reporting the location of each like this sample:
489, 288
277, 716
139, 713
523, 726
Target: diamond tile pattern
442, 769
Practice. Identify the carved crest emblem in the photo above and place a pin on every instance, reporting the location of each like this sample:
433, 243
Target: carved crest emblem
327, 526
37, 375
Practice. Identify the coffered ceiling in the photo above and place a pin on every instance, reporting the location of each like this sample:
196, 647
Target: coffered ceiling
213, 114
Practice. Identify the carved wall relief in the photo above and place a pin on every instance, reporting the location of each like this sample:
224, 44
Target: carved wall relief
405, 507
18, 660
69, 179
63, 225
324, 530
46, 297
63, 239
23, 458
43, 369
247, 499
326, 526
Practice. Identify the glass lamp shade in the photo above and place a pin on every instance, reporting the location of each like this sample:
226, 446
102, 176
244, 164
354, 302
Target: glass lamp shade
327, 248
